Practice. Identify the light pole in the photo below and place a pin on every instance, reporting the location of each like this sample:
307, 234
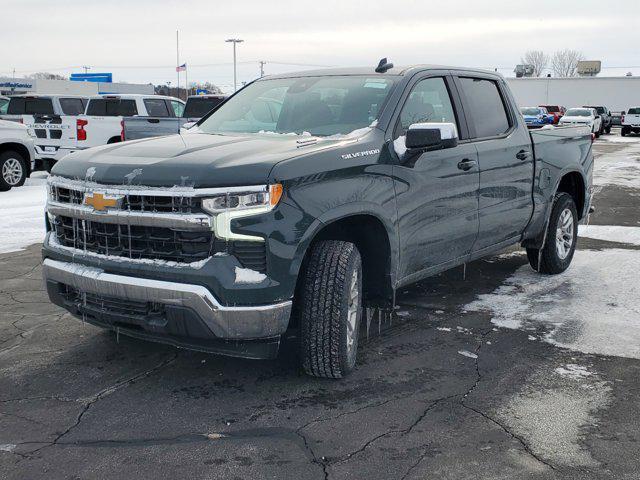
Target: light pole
234, 41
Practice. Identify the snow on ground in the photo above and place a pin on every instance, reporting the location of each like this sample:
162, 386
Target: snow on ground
611, 233
621, 168
22, 214
593, 307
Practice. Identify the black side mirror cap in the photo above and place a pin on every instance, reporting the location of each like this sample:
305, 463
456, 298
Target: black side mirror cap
431, 136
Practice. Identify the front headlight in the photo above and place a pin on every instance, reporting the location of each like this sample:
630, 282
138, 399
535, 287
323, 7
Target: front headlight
240, 202
240, 198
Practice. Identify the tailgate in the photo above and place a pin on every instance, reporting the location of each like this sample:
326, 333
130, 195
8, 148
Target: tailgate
146, 127
52, 130
632, 119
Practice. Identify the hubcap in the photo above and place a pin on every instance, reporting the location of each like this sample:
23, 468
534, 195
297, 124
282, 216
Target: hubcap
352, 313
564, 234
12, 171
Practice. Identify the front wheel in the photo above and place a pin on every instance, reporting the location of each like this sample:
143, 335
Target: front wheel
13, 171
330, 307
561, 238
608, 130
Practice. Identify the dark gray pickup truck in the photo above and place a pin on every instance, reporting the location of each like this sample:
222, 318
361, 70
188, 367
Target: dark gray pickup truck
365, 180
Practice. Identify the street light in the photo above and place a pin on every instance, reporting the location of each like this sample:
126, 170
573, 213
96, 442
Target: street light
234, 41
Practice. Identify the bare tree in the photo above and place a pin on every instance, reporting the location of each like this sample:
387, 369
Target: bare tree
564, 63
538, 59
47, 76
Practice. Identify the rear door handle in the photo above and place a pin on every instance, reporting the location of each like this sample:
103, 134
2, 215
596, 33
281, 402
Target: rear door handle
153, 120
522, 155
466, 164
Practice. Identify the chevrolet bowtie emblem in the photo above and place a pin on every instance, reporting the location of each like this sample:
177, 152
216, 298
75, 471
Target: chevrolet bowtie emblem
100, 202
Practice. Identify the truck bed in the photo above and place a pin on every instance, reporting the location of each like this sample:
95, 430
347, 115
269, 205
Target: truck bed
146, 127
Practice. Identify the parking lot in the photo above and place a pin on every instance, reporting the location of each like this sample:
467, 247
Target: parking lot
503, 374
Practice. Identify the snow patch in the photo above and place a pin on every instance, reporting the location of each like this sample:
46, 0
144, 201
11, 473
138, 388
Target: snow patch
246, 275
443, 329
22, 214
7, 447
611, 233
592, 307
573, 371
466, 353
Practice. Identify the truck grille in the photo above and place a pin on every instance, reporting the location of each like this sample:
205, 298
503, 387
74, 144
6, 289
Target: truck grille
137, 203
153, 243
133, 241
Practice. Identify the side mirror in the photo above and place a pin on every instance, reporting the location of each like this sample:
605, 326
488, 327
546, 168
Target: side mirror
431, 136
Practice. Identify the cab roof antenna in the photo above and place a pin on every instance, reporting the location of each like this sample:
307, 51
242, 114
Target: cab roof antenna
383, 66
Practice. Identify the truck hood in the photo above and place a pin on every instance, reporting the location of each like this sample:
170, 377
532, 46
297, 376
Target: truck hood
197, 159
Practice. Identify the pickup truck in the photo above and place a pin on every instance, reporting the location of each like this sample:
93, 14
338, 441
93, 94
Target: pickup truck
197, 106
4, 103
368, 179
606, 121
103, 122
17, 154
585, 116
631, 121
53, 119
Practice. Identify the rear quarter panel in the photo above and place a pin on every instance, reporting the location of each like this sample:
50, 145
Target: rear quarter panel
558, 151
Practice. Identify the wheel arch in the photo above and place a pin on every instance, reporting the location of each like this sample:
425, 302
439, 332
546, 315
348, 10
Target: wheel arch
375, 242
573, 183
20, 149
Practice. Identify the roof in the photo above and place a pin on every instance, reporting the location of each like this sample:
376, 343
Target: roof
133, 96
395, 71
48, 95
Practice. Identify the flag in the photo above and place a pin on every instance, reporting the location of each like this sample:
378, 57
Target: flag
181, 68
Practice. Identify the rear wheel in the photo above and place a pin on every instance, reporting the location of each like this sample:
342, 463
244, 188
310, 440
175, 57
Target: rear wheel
13, 171
561, 238
330, 309
608, 130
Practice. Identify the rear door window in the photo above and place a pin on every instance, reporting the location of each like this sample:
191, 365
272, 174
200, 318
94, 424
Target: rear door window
112, 107
156, 107
72, 106
485, 107
30, 106
199, 107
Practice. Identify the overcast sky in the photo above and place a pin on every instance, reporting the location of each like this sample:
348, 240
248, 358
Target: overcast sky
136, 39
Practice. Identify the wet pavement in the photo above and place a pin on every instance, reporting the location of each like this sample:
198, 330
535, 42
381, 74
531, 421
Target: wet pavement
443, 393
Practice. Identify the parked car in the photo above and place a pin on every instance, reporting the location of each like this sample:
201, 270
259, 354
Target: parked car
16, 154
556, 110
616, 118
4, 103
104, 120
52, 118
605, 117
366, 180
536, 117
631, 121
196, 107
583, 116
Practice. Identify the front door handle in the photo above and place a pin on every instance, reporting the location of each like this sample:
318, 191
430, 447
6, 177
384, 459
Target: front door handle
522, 155
466, 164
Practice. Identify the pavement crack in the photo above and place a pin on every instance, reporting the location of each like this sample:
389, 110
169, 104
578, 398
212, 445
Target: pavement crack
89, 402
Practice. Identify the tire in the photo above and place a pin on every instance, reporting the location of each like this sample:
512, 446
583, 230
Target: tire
330, 309
623, 133
13, 170
608, 130
558, 250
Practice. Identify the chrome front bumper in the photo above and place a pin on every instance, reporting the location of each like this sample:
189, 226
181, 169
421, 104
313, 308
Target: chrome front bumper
241, 323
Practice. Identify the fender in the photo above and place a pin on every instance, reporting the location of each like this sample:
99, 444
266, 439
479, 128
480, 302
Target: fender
340, 213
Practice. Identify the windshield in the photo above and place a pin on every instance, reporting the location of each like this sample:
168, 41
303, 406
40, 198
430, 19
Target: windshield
321, 106
530, 111
578, 112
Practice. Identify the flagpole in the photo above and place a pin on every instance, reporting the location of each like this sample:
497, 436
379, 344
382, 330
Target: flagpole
178, 61
186, 82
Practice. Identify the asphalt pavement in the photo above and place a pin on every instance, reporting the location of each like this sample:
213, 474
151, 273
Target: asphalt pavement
446, 391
